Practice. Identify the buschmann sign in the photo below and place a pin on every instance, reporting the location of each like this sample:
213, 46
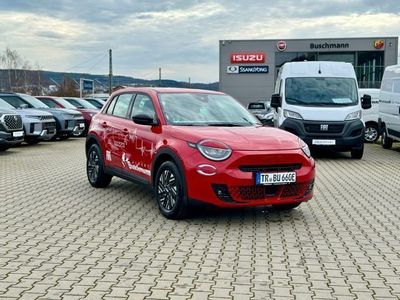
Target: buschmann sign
329, 45
248, 57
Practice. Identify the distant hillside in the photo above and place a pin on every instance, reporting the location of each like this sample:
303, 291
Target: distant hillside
29, 78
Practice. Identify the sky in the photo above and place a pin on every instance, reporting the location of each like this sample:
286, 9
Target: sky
179, 36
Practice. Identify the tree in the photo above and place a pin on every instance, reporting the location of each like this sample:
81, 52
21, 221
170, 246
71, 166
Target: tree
67, 88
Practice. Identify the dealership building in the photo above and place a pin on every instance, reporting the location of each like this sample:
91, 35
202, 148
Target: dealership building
248, 68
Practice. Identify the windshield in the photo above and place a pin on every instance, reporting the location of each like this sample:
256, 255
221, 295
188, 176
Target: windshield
33, 101
197, 109
16, 101
4, 104
80, 103
315, 91
65, 103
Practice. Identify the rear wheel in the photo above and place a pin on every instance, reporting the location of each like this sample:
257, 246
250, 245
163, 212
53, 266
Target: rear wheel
95, 168
387, 142
4, 148
357, 152
371, 133
170, 191
285, 207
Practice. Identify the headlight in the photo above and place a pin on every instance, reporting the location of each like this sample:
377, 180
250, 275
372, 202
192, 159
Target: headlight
353, 116
292, 115
305, 148
213, 150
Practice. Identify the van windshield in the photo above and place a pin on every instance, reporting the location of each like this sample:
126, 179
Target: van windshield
316, 91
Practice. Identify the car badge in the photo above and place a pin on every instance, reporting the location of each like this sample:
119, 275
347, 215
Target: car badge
324, 127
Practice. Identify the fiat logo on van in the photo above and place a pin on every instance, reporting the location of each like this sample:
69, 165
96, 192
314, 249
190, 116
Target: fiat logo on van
378, 44
281, 46
324, 127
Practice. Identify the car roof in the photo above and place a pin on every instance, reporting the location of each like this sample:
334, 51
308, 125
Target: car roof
167, 90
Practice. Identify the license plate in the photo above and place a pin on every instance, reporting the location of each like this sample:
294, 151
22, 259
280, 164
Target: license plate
81, 125
324, 142
275, 178
18, 133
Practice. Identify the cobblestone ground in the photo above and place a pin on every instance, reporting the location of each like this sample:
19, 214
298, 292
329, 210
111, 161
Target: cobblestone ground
60, 238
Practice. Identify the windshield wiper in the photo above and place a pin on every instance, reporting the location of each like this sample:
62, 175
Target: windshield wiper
228, 124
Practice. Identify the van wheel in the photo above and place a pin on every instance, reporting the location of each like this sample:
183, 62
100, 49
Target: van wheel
170, 192
95, 168
387, 142
358, 152
371, 133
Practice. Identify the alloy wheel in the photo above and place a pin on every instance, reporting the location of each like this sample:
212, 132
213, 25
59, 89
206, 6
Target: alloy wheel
93, 166
167, 189
371, 134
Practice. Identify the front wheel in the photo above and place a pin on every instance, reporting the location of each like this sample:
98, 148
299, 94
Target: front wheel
387, 142
170, 191
371, 133
357, 152
95, 168
4, 148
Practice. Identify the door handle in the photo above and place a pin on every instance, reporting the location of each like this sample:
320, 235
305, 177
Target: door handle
125, 131
104, 124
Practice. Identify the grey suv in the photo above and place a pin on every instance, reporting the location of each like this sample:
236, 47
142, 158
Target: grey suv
65, 118
11, 129
38, 125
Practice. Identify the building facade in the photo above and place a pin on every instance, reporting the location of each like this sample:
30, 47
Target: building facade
248, 68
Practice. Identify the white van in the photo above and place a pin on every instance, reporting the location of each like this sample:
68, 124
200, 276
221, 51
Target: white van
318, 101
389, 106
370, 116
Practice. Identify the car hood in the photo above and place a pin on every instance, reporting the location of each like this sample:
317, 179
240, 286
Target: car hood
32, 112
59, 111
239, 138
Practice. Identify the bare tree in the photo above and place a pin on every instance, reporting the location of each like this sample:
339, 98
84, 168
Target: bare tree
67, 88
16, 69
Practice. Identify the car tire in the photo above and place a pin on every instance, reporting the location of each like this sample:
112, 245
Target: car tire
387, 142
95, 168
285, 207
357, 152
371, 133
170, 191
4, 148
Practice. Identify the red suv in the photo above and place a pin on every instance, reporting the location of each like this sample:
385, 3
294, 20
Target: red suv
196, 145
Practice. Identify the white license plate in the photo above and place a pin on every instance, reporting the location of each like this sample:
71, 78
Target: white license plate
275, 178
18, 133
324, 142
81, 125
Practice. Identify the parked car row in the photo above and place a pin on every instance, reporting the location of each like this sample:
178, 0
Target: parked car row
24, 118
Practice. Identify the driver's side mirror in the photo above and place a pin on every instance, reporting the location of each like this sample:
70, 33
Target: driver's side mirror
23, 106
143, 119
276, 101
366, 102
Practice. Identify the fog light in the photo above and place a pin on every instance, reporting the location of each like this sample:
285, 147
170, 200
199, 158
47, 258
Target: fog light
221, 191
310, 188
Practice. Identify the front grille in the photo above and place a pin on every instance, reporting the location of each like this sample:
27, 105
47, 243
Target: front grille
50, 127
270, 168
316, 128
263, 192
12, 122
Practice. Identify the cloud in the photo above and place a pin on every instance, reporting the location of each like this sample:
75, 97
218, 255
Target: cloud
179, 36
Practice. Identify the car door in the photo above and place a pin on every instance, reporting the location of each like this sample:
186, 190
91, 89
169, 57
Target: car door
141, 145
116, 123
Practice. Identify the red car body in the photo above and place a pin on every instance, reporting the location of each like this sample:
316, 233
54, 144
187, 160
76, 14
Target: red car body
134, 151
86, 113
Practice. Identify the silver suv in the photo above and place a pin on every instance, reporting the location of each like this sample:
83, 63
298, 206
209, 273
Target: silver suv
38, 125
11, 129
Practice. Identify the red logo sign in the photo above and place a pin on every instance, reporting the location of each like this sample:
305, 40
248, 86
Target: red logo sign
378, 44
281, 45
243, 58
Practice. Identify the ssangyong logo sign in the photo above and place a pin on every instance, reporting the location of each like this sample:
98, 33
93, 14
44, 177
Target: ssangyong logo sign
378, 44
281, 46
247, 57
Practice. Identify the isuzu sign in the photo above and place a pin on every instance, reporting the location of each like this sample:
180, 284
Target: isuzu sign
248, 57
247, 69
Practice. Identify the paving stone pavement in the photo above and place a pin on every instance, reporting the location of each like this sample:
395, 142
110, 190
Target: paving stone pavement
62, 239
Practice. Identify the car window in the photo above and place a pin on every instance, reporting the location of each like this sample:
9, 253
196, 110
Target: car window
122, 105
143, 106
110, 107
74, 103
16, 101
396, 85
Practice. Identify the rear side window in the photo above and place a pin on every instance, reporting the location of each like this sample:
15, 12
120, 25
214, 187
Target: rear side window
110, 107
16, 101
387, 85
143, 106
122, 105
396, 85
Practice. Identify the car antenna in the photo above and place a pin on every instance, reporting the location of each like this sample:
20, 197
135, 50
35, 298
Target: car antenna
319, 68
